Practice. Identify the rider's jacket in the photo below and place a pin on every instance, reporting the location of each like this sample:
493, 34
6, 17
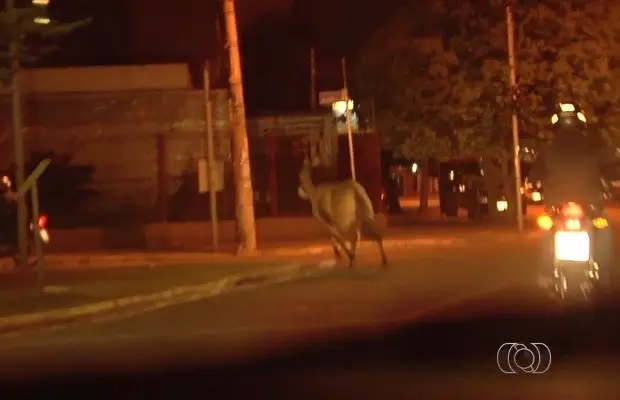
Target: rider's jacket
571, 168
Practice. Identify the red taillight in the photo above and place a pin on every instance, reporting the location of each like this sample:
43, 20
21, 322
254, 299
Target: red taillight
42, 221
572, 211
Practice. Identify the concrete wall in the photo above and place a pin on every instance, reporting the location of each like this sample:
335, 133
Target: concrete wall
102, 79
141, 127
115, 118
117, 132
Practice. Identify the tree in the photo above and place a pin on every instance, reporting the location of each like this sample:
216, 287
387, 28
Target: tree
569, 51
566, 51
451, 99
435, 101
24, 38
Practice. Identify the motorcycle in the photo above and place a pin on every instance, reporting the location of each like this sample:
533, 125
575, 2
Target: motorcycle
9, 249
533, 192
575, 269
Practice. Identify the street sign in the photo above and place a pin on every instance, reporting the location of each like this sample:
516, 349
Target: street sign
33, 177
327, 98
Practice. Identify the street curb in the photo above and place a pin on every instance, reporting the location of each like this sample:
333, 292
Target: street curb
388, 244
26, 322
134, 260
139, 259
94, 261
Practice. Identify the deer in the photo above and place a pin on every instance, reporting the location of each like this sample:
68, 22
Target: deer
343, 208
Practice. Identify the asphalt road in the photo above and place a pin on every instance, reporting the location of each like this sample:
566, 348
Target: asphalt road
430, 325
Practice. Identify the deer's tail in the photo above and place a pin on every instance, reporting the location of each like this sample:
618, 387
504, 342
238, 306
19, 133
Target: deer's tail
363, 203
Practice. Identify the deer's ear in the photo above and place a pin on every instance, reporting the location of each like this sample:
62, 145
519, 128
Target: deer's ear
302, 193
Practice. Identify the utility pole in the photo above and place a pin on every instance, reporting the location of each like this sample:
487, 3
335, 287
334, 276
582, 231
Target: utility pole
313, 98
210, 156
347, 113
373, 116
241, 153
18, 143
514, 90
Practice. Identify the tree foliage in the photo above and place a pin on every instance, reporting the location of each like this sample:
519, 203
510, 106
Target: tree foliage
434, 97
568, 50
445, 93
23, 39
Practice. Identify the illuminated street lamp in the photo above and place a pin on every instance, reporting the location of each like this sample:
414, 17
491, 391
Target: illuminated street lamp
340, 107
42, 5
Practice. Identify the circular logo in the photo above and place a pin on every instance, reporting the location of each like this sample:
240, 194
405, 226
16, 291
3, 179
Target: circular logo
513, 358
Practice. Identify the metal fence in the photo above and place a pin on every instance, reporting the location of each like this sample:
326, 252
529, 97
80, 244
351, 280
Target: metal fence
138, 179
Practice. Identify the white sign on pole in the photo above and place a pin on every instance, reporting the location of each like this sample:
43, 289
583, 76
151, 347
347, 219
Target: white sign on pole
327, 98
203, 176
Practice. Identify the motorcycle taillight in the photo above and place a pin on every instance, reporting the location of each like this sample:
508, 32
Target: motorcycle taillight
42, 221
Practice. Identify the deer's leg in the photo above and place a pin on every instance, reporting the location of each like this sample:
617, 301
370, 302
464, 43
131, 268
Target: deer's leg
370, 231
336, 237
353, 240
338, 240
335, 245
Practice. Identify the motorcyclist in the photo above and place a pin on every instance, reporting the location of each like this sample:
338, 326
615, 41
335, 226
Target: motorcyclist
570, 170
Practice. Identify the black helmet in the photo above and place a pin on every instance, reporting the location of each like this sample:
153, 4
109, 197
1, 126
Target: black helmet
568, 114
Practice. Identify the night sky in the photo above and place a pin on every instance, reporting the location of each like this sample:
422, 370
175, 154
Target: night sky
276, 36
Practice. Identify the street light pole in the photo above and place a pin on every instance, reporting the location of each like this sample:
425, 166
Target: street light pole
18, 144
515, 117
347, 114
241, 152
312, 79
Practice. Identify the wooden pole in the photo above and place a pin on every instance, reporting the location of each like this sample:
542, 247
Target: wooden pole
241, 152
18, 144
515, 117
